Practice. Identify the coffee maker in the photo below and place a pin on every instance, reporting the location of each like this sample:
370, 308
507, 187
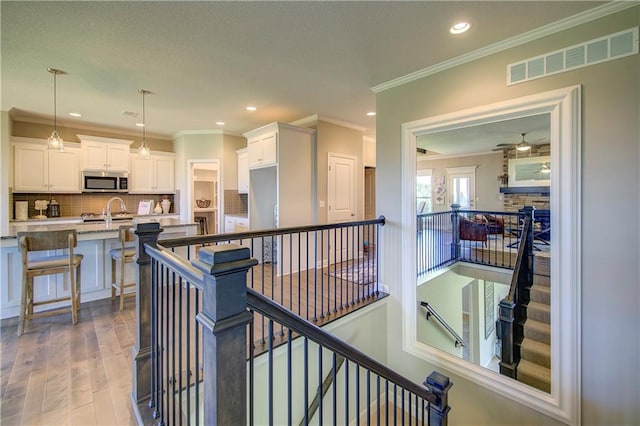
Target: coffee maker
53, 209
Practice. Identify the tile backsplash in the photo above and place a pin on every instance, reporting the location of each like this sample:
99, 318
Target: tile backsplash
235, 203
72, 205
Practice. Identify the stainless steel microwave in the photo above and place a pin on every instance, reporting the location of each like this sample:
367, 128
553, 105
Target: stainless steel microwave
105, 181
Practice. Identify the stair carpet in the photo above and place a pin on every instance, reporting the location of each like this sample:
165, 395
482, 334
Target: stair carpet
534, 368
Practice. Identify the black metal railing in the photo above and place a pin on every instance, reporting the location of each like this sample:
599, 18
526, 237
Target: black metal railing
201, 324
474, 236
432, 312
317, 272
360, 390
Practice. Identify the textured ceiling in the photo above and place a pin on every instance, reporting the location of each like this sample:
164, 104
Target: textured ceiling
205, 61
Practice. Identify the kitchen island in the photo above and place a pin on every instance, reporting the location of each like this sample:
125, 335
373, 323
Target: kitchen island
95, 239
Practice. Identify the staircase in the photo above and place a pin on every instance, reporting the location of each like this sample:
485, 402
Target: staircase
534, 368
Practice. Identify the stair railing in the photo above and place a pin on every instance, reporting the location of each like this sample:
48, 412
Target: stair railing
431, 311
512, 309
197, 319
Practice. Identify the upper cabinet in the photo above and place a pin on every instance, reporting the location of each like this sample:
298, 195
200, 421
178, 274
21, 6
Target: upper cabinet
369, 150
38, 169
243, 171
153, 175
100, 153
263, 151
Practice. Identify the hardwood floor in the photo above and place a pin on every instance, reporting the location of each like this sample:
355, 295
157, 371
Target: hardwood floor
60, 374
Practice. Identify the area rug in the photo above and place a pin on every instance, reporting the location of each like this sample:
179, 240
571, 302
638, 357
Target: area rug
362, 273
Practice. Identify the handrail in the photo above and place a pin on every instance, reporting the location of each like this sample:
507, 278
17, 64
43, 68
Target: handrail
175, 263
526, 230
278, 313
431, 311
213, 238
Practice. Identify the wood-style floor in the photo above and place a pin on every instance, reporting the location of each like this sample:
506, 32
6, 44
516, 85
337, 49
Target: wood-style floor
60, 374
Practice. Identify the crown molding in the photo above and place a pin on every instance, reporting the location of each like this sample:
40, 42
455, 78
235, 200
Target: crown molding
545, 30
28, 117
312, 119
447, 156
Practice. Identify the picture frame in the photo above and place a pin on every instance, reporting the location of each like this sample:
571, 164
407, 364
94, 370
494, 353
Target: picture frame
530, 171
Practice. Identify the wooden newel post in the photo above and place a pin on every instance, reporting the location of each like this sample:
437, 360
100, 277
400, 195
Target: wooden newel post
455, 228
439, 385
146, 233
224, 317
506, 331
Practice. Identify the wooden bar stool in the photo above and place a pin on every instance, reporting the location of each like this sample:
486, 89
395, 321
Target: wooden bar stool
202, 222
126, 253
40, 264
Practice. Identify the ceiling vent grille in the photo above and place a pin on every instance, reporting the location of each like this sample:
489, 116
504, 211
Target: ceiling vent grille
607, 48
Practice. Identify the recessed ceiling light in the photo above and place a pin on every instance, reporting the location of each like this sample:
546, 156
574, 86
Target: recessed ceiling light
371, 113
75, 114
251, 108
140, 124
460, 28
220, 123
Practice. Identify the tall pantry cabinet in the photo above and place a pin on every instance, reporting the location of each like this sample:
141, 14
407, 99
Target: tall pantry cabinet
281, 160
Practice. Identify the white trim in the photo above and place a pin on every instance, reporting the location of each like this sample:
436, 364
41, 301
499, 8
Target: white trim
204, 132
546, 30
448, 156
564, 107
313, 119
461, 170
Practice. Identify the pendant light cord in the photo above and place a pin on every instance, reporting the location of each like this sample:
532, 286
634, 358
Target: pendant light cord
55, 102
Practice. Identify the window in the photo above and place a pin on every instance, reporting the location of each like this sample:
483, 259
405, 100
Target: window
424, 191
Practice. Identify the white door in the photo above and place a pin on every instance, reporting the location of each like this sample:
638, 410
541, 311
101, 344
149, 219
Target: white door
341, 193
462, 186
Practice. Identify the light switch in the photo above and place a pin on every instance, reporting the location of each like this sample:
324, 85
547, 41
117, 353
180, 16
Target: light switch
321, 203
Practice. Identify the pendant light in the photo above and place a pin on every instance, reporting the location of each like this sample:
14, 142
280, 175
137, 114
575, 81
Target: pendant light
55, 141
144, 149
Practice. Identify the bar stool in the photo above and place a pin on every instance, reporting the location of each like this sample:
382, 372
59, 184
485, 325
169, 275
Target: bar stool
202, 222
122, 255
40, 265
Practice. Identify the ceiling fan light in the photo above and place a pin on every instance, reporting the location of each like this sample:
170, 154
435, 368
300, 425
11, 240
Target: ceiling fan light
523, 147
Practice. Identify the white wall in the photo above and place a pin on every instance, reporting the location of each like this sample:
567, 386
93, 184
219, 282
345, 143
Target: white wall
444, 294
487, 185
5, 170
610, 184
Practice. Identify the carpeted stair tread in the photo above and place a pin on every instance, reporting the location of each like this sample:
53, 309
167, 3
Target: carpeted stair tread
534, 375
539, 312
540, 294
541, 280
536, 352
537, 331
542, 266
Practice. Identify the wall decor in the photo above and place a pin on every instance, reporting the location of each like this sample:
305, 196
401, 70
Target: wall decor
489, 309
532, 171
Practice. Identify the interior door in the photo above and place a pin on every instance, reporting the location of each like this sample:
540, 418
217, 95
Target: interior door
462, 187
341, 194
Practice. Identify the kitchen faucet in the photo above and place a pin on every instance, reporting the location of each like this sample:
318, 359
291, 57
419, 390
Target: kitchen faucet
122, 208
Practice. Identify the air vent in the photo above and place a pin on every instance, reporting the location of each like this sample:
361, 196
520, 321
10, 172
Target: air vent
613, 46
129, 113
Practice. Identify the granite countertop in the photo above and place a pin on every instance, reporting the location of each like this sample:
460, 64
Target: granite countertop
89, 227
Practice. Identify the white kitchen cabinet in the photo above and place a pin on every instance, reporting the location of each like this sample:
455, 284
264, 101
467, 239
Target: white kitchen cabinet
233, 223
38, 169
100, 153
153, 175
243, 171
263, 150
369, 149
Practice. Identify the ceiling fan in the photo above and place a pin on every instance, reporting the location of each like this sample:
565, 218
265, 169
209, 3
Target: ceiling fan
522, 146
